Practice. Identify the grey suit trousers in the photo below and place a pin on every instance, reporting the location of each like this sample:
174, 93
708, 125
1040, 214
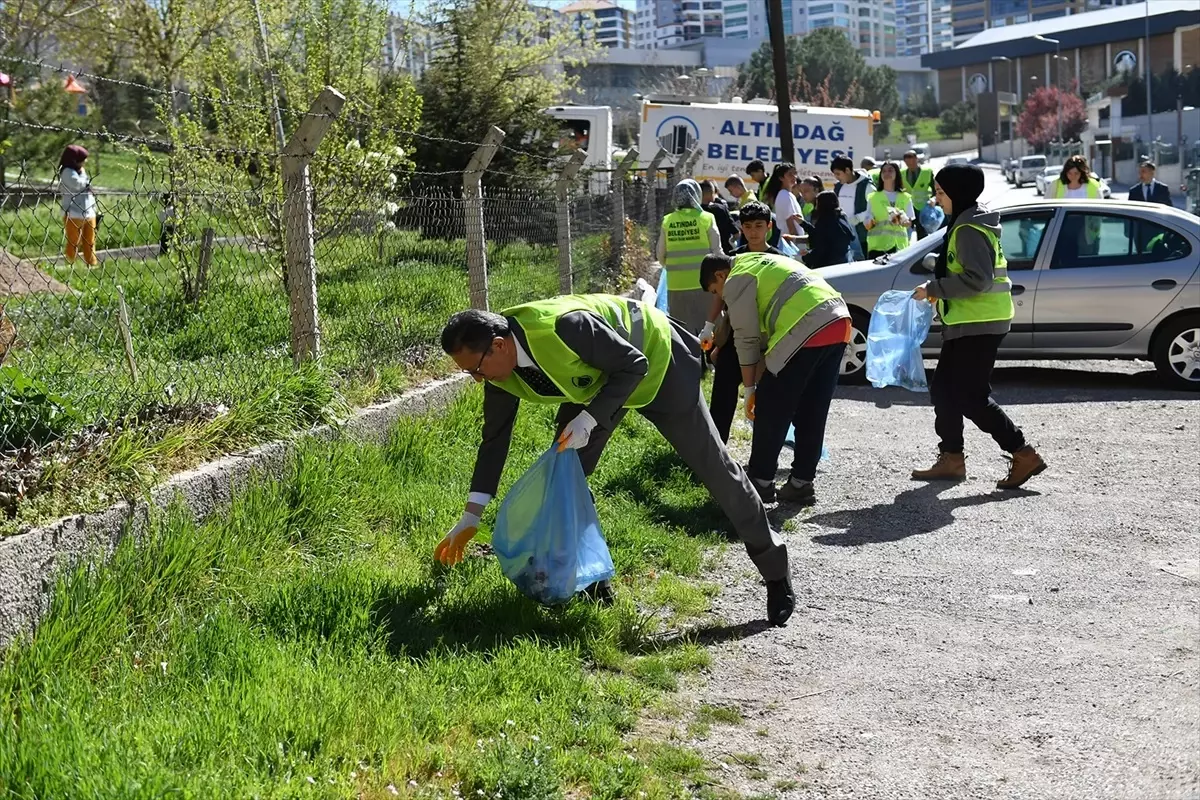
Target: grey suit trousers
680, 413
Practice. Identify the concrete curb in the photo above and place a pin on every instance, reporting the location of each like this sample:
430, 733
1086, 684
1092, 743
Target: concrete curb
30, 562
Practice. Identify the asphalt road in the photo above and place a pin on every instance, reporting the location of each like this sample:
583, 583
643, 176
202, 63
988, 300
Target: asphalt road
953, 641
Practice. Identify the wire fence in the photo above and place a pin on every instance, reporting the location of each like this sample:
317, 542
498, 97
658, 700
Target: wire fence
182, 283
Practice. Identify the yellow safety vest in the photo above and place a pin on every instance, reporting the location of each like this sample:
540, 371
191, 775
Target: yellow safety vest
641, 324
886, 235
920, 190
993, 305
790, 296
687, 245
1059, 189
747, 197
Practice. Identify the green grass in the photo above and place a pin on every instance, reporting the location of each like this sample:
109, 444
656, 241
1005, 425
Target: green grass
927, 131
306, 644
114, 168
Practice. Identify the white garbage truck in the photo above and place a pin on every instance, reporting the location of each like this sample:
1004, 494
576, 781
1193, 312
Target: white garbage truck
731, 135
588, 128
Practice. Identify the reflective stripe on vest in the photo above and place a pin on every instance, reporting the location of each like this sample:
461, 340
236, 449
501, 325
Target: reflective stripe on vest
1060, 189
687, 245
791, 298
921, 190
992, 305
643, 326
884, 234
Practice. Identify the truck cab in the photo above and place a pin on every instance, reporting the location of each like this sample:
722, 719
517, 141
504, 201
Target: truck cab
587, 128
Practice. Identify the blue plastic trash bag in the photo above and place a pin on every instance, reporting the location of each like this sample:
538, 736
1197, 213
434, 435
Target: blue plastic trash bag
790, 441
899, 324
787, 248
547, 536
660, 299
931, 217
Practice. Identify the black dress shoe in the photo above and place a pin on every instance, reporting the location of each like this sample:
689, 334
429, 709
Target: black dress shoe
781, 601
765, 493
802, 494
601, 592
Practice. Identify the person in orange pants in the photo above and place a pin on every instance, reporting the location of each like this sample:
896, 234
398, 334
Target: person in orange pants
78, 204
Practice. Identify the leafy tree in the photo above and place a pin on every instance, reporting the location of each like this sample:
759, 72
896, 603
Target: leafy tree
1039, 119
494, 69
958, 119
1165, 89
824, 67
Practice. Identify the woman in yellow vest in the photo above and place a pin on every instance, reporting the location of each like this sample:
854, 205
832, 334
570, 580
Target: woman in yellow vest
1076, 183
688, 234
974, 301
889, 213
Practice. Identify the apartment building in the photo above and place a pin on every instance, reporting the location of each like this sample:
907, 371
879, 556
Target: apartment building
970, 17
923, 26
663, 23
609, 23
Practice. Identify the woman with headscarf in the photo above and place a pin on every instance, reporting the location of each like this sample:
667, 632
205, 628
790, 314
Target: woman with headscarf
688, 234
974, 301
78, 204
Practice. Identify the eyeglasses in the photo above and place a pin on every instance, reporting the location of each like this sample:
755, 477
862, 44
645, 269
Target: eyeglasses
479, 366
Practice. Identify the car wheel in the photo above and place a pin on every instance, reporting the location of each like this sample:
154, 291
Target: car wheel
1177, 353
854, 362
1020, 184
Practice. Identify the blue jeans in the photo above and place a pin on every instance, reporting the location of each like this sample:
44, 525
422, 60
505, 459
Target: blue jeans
799, 395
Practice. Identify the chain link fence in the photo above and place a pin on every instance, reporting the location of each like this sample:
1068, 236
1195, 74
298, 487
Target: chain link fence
235, 294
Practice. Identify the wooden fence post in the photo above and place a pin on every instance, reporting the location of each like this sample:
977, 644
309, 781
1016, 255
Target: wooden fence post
299, 245
477, 276
616, 245
652, 216
562, 186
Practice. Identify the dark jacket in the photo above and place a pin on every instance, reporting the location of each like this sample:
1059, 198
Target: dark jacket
829, 241
725, 227
1159, 193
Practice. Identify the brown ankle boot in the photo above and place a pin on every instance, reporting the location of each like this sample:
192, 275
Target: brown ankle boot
948, 467
1025, 464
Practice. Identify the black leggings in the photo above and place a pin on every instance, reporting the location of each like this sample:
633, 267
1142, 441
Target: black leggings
961, 388
727, 377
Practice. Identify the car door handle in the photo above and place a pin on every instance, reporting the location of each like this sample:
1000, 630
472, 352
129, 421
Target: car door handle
1166, 283
1018, 289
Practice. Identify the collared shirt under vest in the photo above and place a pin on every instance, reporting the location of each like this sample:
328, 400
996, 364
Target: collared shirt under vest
920, 189
687, 245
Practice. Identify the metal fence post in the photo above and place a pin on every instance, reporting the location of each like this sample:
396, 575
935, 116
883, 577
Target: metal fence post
616, 245
562, 186
477, 276
299, 246
689, 166
652, 217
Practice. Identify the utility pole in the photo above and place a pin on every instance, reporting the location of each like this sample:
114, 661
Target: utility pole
1149, 80
783, 93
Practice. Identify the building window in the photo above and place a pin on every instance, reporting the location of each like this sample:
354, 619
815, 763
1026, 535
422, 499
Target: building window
735, 22
735, 8
822, 9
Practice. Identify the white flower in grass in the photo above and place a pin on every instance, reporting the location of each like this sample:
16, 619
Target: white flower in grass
163, 666
311, 779
393, 789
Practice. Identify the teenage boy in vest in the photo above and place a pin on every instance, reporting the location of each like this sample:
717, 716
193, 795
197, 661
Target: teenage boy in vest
596, 357
852, 191
790, 330
918, 182
727, 375
738, 191
757, 171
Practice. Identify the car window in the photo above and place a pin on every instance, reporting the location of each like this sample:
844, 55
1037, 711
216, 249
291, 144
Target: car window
1090, 239
1021, 237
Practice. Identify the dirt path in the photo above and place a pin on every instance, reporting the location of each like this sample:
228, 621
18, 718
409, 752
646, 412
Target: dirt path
21, 277
956, 642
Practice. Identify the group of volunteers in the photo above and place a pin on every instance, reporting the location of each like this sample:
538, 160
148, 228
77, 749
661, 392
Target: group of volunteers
770, 323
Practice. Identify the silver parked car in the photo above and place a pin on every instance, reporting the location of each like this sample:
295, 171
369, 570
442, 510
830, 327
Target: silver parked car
1028, 169
1091, 279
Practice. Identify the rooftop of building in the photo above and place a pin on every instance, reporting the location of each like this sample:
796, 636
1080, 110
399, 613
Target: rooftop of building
584, 6
1076, 30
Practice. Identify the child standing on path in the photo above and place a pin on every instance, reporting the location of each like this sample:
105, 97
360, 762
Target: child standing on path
78, 204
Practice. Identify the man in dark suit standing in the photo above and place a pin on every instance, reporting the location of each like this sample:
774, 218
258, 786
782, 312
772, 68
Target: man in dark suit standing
1148, 189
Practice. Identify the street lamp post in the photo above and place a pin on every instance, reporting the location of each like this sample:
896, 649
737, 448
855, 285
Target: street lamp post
1012, 92
1057, 75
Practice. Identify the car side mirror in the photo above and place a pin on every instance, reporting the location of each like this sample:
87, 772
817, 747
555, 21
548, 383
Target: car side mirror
926, 266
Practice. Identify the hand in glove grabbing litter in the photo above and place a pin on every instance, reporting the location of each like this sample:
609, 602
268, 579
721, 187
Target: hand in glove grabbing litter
577, 433
450, 550
750, 403
706, 336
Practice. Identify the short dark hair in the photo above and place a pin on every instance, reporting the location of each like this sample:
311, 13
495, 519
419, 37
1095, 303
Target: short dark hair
815, 182
1148, 164
841, 162
734, 180
912, 153
473, 330
827, 205
755, 166
708, 185
712, 264
755, 212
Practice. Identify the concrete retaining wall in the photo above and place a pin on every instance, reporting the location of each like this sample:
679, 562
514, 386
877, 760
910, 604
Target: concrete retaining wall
30, 562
